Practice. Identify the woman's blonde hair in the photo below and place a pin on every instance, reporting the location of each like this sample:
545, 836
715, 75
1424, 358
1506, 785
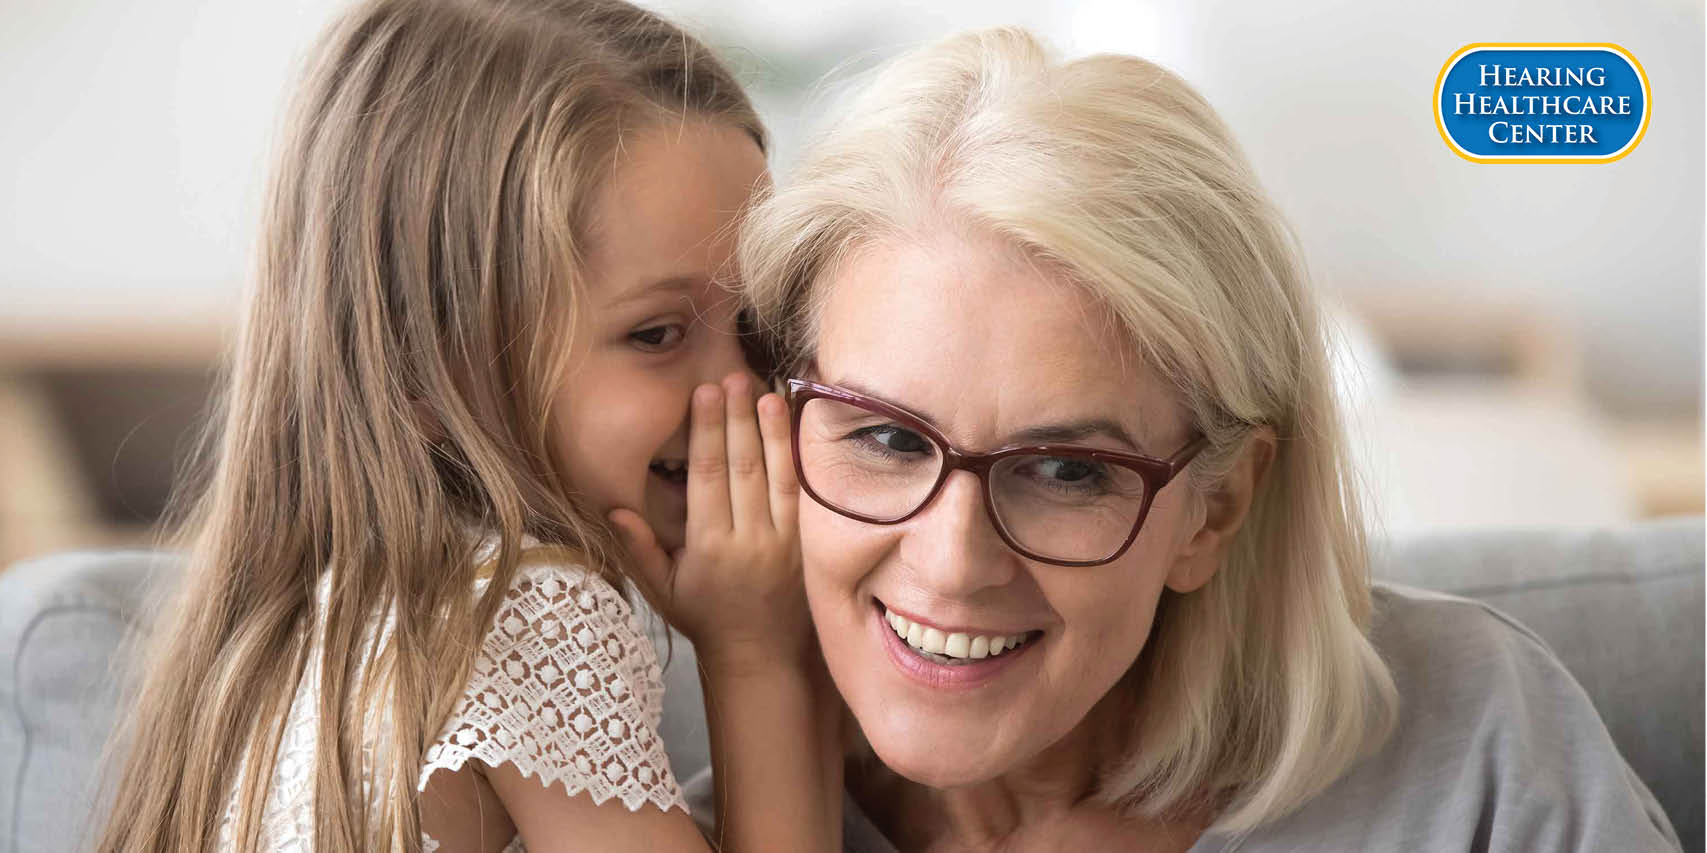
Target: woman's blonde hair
419, 273
1260, 688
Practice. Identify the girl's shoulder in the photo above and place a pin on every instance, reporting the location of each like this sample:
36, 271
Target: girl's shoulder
554, 598
534, 558
542, 563
566, 685
552, 584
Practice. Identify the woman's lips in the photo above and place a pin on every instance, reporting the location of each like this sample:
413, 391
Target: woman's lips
972, 673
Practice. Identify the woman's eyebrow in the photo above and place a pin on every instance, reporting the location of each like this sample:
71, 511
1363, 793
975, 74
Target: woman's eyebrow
1061, 433
1073, 431
864, 391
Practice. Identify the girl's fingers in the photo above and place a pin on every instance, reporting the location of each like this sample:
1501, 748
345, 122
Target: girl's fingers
708, 463
779, 462
653, 569
748, 492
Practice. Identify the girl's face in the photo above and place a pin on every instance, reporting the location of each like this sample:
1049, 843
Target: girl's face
659, 321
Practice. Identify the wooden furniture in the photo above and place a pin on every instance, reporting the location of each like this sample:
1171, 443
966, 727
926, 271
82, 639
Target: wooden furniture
94, 419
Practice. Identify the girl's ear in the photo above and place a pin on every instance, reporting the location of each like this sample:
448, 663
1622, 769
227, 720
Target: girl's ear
1223, 512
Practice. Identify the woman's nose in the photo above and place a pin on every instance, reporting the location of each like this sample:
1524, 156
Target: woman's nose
952, 546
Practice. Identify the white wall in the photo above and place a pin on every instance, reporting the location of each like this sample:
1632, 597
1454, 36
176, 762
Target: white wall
1381, 203
136, 139
134, 151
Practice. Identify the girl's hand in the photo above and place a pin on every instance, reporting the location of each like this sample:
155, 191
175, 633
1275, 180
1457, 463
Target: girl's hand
735, 587
735, 590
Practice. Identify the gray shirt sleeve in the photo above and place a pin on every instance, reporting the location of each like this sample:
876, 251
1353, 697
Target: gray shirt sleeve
1497, 749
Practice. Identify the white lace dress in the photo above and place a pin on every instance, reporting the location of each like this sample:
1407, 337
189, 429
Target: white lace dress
566, 688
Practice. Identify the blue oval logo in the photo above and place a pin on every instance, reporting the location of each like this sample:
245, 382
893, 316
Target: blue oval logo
1542, 103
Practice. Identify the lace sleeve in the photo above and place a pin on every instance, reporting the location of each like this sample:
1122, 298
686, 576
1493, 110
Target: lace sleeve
566, 687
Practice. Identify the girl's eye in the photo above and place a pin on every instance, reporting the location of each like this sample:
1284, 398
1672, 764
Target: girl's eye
659, 338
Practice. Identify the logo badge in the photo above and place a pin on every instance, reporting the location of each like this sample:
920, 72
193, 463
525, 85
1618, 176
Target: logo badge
1542, 103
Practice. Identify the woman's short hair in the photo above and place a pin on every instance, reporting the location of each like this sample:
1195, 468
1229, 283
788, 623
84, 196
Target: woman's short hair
1260, 688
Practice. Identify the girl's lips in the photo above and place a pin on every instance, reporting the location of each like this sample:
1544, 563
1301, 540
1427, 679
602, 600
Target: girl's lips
667, 495
964, 676
672, 483
673, 474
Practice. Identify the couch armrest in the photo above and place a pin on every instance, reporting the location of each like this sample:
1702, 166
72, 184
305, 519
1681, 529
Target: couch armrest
63, 623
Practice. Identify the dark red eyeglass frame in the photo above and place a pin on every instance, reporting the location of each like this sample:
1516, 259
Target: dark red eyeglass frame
1156, 473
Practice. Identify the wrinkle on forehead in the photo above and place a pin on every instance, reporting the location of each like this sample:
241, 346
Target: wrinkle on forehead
917, 320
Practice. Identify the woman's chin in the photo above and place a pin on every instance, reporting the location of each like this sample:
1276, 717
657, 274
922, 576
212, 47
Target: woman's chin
940, 765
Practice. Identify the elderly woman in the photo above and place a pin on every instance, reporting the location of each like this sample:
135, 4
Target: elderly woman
1082, 548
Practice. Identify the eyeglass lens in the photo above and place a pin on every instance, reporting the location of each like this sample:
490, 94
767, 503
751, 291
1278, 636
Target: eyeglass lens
1055, 507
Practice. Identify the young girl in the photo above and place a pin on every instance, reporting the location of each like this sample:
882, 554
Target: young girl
490, 293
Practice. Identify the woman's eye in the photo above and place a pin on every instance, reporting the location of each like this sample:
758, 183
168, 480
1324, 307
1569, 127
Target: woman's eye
658, 338
896, 440
1067, 470
1059, 472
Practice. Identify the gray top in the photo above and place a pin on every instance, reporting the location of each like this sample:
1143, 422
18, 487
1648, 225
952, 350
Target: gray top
1497, 749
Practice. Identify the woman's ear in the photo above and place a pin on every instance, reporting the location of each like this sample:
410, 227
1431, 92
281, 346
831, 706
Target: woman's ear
1223, 512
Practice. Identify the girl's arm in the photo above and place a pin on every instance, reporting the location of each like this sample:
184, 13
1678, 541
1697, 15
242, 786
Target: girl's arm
736, 591
550, 821
770, 755
775, 755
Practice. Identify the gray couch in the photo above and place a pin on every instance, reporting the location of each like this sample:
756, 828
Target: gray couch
1621, 607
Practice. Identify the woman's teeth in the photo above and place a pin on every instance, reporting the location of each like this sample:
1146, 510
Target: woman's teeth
955, 647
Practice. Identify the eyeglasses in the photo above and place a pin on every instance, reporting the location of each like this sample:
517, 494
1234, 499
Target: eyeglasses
1060, 504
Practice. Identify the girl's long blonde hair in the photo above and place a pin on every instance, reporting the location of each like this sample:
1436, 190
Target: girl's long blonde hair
1260, 688
406, 328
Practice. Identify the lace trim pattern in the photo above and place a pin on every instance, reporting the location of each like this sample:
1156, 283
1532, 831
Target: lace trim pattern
567, 689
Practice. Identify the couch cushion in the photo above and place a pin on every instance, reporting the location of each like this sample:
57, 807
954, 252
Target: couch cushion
1622, 608
63, 620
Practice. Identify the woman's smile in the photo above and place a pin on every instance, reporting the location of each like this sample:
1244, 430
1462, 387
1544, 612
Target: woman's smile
948, 657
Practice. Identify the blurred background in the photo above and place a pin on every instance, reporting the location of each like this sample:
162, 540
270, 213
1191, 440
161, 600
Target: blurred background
1522, 344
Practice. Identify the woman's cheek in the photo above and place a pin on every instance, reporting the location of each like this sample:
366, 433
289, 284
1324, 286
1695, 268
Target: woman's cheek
838, 552
1107, 618
819, 561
